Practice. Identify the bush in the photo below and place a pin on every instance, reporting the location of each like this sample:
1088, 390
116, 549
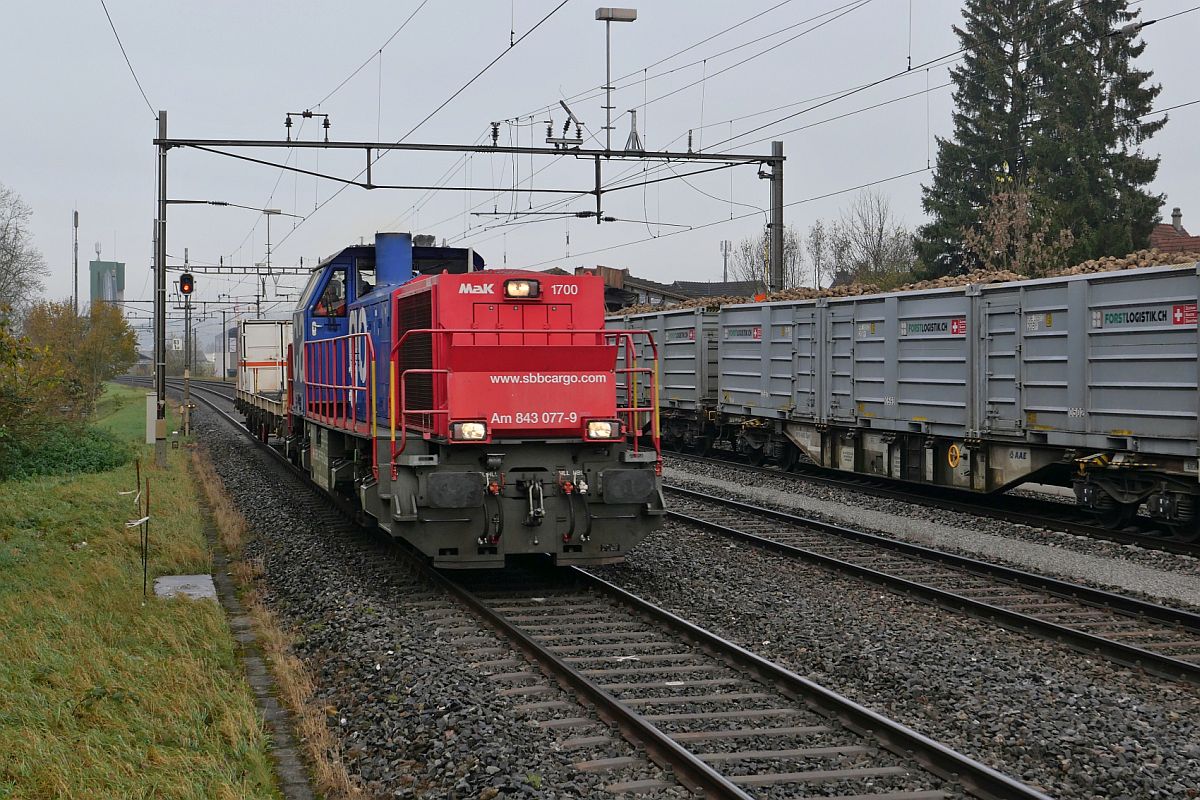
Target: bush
62, 449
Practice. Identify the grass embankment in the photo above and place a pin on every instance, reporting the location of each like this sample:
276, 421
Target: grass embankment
295, 685
100, 695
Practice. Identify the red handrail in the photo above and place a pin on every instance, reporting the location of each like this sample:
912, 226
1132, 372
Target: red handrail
327, 399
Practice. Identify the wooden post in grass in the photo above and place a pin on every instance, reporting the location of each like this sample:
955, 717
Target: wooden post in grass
146, 542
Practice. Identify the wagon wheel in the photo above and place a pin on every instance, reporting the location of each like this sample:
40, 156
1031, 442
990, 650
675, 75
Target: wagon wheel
757, 456
790, 457
702, 445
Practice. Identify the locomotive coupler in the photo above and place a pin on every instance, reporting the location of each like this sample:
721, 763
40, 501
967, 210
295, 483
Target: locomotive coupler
537, 507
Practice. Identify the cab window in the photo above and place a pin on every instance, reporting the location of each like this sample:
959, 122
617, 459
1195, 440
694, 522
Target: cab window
333, 299
310, 288
365, 272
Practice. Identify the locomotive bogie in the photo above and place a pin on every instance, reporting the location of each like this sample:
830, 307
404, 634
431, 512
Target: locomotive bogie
471, 507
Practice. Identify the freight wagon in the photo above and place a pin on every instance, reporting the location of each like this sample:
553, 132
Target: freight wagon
262, 379
1087, 381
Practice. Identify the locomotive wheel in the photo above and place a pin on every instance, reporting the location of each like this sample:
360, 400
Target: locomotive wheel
1119, 516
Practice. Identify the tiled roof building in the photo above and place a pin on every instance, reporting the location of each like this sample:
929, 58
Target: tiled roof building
1173, 238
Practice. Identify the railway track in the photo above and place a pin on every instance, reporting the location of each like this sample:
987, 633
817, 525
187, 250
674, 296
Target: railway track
1062, 517
727, 722
1135, 633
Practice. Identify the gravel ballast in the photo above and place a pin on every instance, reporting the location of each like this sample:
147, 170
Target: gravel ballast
1076, 726
1154, 574
424, 700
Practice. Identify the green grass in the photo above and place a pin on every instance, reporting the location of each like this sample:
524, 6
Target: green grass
69, 447
100, 695
121, 410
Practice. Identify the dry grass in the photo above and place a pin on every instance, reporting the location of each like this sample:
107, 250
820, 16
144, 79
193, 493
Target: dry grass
295, 685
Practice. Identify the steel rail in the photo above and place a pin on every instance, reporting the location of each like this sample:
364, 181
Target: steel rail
662, 749
1123, 653
975, 505
979, 779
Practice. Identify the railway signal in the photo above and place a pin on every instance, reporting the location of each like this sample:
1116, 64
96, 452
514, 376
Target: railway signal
187, 284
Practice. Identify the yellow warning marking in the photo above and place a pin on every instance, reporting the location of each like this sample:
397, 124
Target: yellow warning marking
953, 456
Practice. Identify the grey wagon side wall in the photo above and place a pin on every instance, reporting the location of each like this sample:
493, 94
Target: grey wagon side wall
1013, 376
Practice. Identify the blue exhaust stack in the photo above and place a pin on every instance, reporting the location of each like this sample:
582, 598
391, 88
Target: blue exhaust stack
393, 258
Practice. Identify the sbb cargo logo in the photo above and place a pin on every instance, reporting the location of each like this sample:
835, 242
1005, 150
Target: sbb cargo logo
476, 288
747, 332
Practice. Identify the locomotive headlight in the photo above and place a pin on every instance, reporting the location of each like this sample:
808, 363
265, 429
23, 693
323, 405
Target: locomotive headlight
522, 289
603, 429
468, 431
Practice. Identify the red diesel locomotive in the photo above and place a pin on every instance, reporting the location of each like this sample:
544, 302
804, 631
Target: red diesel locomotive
472, 413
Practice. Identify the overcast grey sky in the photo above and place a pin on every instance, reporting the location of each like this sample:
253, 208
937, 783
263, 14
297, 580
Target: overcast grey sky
77, 133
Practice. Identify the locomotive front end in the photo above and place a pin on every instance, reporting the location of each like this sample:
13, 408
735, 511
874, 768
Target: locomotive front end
510, 436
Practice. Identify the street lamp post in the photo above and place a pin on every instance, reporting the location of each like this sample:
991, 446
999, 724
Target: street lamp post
609, 16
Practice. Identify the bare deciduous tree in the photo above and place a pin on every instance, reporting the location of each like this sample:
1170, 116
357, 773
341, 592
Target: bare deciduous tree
751, 256
21, 265
869, 244
1014, 235
819, 246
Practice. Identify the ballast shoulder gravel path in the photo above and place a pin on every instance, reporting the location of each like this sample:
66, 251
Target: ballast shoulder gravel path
1034, 557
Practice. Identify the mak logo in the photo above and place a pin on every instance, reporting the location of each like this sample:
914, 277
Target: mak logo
476, 288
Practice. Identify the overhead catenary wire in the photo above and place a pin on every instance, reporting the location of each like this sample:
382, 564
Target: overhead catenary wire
377, 53
814, 198
854, 7
486, 67
128, 63
518, 182
588, 94
431, 114
331, 93
944, 60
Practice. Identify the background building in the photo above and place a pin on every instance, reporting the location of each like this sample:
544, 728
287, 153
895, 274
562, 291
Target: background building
107, 280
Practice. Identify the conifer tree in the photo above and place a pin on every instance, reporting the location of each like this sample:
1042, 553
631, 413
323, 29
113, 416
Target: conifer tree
1088, 151
995, 97
1047, 98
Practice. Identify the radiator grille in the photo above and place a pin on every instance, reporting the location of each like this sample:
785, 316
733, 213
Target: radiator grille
415, 312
